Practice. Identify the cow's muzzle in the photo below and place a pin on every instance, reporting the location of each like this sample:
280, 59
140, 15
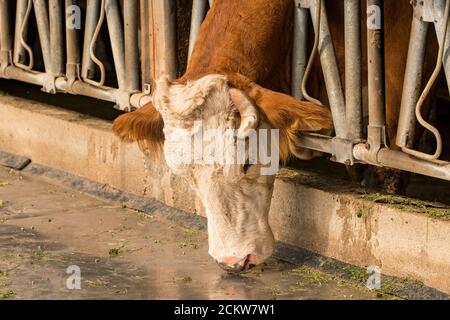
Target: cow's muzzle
234, 265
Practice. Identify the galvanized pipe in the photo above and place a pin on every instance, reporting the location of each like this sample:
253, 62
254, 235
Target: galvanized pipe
83, 88
299, 51
131, 22
402, 161
76, 87
353, 84
92, 14
330, 69
19, 50
164, 39
42, 21
375, 68
198, 14
376, 132
56, 37
440, 6
444, 22
73, 51
15, 73
5, 34
116, 37
412, 84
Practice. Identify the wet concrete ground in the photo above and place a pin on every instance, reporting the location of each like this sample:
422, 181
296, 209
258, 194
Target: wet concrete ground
123, 254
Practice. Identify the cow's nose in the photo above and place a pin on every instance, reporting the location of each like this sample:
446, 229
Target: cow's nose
235, 265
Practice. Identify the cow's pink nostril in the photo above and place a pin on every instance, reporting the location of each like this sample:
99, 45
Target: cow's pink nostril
232, 264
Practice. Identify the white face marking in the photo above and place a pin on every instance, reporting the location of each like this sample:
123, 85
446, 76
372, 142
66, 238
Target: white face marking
236, 196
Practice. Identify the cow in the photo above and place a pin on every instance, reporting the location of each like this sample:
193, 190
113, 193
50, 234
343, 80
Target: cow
239, 77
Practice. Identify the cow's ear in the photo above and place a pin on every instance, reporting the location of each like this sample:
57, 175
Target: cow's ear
144, 126
290, 115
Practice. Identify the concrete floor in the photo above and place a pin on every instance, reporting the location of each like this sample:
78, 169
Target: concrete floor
124, 254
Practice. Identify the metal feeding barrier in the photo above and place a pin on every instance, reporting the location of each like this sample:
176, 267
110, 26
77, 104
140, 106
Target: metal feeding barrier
349, 146
144, 51
65, 68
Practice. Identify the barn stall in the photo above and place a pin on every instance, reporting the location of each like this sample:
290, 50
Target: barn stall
113, 51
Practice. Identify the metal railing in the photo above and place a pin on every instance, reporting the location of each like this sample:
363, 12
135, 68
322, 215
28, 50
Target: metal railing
349, 146
72, 67
65, 68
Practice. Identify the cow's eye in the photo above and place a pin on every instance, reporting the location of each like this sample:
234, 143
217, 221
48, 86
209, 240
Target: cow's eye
246, 167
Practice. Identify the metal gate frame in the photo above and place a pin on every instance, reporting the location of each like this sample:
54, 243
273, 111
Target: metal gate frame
349, 146
77, 78
154, 54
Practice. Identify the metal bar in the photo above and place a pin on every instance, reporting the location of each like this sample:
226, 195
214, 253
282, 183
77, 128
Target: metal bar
412, 84
36, 78
92, 14
116, 37
375, 68
5, 35
42, 21
19, 51
164, 39
353, 84
131, 22
198, 14
376, 132
76, 87
56, 37
73, 50
399, 160
439, 6
402, 161
341, 149
330, 69
85, 89
146, 44
315, 142
426, 91
300, 48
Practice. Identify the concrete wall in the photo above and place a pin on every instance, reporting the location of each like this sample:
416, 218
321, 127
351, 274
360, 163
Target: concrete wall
323, 220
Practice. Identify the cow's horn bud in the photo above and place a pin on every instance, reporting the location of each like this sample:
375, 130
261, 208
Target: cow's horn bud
248, 112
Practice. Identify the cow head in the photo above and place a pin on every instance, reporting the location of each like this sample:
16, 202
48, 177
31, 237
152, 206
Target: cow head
226, 143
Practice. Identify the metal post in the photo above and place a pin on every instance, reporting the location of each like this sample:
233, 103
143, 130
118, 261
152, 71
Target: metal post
56, 37
353, 86
131, 21
439, 12
412, 84
19, 51
73, 52
198, 14
5, 35
164, 39
375, 69
146, 43
42, 21
300, 46
330, 69
92, 14
116, 37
